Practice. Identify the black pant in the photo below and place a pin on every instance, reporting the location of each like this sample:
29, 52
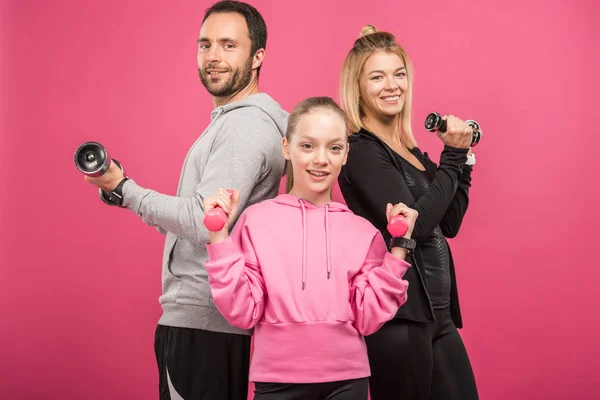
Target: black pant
420, 361
354, 389
194, 364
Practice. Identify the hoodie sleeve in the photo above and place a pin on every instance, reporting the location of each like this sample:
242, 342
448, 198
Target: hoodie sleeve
239, 159
235, 278
378, 290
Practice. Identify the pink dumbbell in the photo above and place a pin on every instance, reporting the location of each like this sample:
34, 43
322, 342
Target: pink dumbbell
215, 218
397, 226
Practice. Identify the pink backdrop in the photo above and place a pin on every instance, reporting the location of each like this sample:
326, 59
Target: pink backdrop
80, 281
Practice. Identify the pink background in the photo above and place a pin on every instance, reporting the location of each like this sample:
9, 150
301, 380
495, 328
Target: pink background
80, 281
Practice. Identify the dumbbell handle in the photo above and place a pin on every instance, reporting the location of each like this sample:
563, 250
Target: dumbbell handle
397, 226
434, 122
215, 218
443, 126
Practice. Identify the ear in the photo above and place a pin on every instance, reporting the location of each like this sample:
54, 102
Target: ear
285, 148
258, 58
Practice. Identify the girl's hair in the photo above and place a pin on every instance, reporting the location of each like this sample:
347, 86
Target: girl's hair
370, 42
304, 107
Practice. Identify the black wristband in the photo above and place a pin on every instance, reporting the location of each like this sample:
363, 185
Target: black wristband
118, 191
408, 244
115, 196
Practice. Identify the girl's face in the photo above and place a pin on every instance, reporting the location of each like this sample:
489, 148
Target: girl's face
317, 150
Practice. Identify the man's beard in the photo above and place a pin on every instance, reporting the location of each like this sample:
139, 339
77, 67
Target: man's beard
239, 78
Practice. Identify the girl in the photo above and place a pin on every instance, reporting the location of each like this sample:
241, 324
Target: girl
311, 277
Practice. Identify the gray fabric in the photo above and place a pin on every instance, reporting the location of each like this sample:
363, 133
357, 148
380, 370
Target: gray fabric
240, 149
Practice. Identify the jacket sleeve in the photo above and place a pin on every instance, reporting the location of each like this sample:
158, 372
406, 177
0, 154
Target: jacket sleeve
376, 181
238, 160
378, 290
452, 220
235, 278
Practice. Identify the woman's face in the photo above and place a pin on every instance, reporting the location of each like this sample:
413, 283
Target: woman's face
383, 84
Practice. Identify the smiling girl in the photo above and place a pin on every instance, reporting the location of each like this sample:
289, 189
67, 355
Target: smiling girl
310, 276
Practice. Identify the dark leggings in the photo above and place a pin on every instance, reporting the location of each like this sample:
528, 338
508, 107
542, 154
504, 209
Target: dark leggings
420, 361
354, 389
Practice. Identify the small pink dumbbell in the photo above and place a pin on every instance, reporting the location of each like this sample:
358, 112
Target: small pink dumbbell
397, 226
215, 218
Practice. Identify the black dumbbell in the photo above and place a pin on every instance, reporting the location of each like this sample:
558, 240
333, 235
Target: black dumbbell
434, 122
92, 159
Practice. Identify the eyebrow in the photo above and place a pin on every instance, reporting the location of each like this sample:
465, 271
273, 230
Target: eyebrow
308, 137
226, 39
381, 72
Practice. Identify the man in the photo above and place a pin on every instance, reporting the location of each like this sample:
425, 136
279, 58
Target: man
199, 354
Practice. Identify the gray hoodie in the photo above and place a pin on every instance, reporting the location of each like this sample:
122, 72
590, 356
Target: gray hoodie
240, 149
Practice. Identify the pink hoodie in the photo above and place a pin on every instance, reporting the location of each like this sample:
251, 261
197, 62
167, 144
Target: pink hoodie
312, 280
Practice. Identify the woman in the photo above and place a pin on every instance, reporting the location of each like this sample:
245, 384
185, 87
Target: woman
311, 277
419, 354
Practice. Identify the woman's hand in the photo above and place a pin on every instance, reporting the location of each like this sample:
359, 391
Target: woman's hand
458, 134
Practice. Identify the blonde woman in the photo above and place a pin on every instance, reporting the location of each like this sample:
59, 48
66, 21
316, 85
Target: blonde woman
418, 354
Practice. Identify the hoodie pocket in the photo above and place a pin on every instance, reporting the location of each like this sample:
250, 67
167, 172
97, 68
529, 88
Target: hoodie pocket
168, 255
171, 284
185, 275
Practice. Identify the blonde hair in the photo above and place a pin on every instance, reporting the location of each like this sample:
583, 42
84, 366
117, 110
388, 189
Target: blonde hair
304, 107
370, 42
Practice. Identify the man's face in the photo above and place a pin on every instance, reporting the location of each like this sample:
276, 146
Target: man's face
225, 65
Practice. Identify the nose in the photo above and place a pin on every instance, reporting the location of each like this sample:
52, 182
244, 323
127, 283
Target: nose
213, 54
321, 157
390, 83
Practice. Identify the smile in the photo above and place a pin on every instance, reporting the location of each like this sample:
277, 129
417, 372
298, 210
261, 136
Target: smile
391, 99
318, 173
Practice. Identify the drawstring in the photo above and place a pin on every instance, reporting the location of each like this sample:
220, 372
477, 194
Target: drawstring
327, 240
328, 255
303, 243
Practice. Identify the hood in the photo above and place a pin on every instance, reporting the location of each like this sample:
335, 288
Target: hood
295, 201
303, 207
262, 101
